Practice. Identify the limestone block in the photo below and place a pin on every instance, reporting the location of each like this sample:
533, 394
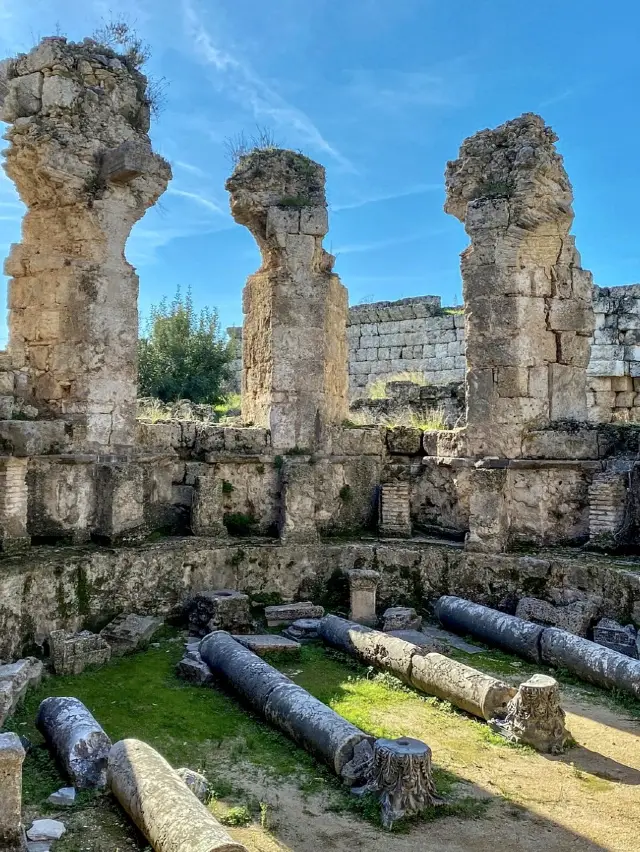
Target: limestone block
129, 633
571, 315
245, 440
77, 740
50, 52
610, 368
404, 440
614, 636
574, 349
161, 804
298, 515
282, 221
222, 609
568, 396
401, 618
575, 617
619, 384
59, 92
120, 500
559, 444
314, 220
15, 679
207, 506
12, 755
289, 613
23, 97
127, 162
72, 653
265, 644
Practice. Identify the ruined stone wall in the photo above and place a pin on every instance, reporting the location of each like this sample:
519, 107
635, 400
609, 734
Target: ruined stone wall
78, 587
81, 160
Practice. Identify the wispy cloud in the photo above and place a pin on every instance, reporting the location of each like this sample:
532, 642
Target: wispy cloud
359, 248
419, 189
252, 92
392, 90
202, 200
145, 242
188, 167
564, 95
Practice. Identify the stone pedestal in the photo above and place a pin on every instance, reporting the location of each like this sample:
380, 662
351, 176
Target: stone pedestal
207, 509
71, 653
295, 379
298, 495
401, 774
363, 586
535, 717
222, 609
11, 757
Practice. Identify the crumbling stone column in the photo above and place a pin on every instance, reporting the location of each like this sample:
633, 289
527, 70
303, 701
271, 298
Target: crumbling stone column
528, 311
11, 758
81, 159
295, 378
534, 716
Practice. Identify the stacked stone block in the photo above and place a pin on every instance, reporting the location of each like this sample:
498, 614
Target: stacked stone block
528, 301
295, 379
613, 385
607, 501
82, 163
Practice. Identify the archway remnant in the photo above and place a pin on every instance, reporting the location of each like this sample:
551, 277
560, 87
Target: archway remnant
82, 162
295, 378
528, 310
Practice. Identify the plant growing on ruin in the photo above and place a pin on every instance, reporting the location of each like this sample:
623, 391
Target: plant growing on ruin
183, 354
239, 146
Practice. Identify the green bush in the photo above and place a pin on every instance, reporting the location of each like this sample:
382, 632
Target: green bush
183, 354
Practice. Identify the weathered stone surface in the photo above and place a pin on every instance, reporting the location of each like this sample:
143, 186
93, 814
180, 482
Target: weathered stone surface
193, 669
534, 716
197, 783
526, 298
73, 293
129, 633
294, 338
401, 774
576, 617
268, 644
284, 704
363, 585
160, 803
465, 687
614, 636
11, 758
289, 613
506, 631
395, 510
15, 680
46, 830
224, 609
590, 661
401, 618
71, 653
303, 630
404, 440
63, 798
77, 739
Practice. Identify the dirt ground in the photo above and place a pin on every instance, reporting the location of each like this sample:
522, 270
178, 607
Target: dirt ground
586, 800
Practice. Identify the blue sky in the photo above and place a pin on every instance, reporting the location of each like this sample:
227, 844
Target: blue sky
382, 92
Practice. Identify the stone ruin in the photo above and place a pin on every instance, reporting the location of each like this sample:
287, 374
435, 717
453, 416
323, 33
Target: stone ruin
299, 501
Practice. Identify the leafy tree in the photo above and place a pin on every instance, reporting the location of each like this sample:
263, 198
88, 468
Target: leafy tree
183, 354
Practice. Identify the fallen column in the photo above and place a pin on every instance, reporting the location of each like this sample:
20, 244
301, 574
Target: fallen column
11, 758
590, 661
496, 628
370, 646
469, 689
284, 704
160, 803
77, 739
466, 688
534, 716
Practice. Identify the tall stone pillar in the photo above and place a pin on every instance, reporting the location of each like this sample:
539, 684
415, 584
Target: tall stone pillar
295, 375
81, 159
11, 759
527, 300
